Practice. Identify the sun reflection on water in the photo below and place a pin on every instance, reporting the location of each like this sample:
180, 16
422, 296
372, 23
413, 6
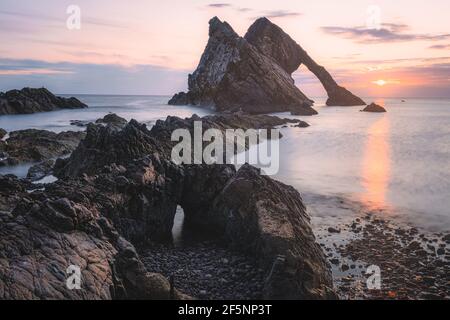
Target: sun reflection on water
376, 165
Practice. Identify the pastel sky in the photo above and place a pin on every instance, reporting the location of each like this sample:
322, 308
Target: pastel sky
149, 46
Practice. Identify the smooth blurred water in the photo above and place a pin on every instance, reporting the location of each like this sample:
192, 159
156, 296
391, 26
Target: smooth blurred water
397, 162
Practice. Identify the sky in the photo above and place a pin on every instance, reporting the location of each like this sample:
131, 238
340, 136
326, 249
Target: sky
379, 48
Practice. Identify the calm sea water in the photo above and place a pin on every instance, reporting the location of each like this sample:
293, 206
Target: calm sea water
397, 163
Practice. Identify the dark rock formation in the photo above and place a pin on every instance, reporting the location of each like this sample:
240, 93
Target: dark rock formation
272, 41
2, 133
40, 170
234, 75
114, 120
119, 188
46, 233
29, 100
254, 73
373, 107
37, 145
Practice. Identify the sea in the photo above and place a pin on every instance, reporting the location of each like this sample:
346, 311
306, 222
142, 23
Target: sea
394, 164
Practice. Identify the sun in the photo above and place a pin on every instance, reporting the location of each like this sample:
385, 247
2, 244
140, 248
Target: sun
380, 82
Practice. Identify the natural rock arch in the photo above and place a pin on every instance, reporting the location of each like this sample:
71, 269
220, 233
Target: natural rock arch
275, 43
253, 73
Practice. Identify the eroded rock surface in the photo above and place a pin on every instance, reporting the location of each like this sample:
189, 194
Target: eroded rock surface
234, 75
119, 189
30, 100
272, 41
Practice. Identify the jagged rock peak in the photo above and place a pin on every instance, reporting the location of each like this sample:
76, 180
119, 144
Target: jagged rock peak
220, 28
234, 75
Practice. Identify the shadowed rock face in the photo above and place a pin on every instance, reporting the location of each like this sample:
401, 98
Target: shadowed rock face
29, 100
233, 75
273, 42
44, 232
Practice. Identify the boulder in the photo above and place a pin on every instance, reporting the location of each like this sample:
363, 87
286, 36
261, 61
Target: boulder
373, 107
266, 219
114, 120
233, 75
30, 100
40, 170
2, 133
119, 189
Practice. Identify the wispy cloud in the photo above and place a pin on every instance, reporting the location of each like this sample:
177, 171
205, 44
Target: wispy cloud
274, 14
440, 46
389, 32
218, 5
271, 14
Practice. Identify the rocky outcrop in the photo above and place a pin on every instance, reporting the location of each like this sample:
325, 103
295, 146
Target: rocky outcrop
2, 133
30, 100
33, 145
373, 107
234, 75
272, 41
106, 144
114, 120
254, 73
46, 233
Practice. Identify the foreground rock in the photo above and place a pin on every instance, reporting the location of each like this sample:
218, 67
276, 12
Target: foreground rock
257, 216
2, 133
272, 41
29, 100
37, 145
114, 120
43, 233
373, 107
234, 75
254, 73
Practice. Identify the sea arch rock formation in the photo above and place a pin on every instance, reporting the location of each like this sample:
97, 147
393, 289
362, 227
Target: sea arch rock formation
254, 73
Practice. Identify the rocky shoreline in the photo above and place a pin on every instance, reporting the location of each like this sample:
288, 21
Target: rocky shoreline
414, 263
119, 190
112, 212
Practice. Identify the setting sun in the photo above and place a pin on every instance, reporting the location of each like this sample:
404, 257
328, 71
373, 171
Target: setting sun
380, 82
